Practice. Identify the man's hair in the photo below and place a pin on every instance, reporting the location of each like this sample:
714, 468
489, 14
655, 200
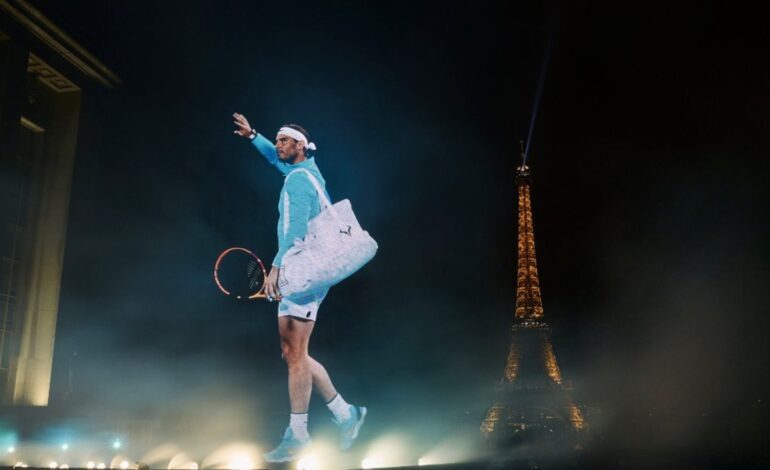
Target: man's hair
301, 129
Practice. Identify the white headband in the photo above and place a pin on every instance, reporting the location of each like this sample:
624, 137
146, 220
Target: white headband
296, 135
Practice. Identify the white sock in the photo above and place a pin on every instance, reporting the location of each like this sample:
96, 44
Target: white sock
340, 408
298, 425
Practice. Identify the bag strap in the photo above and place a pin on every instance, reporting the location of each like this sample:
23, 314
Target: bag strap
319, 190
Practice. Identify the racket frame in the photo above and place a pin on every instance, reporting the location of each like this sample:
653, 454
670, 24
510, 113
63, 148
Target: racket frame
259, 294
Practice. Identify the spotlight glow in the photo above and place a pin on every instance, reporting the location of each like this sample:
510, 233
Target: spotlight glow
455, 449
308, 462
124, 465
53, 465
370, 462
390, 450
163, 456
241, 462
116, 444
91, 465
11, 450
101, 466
242, 455
65, 446
64, 467
180, 461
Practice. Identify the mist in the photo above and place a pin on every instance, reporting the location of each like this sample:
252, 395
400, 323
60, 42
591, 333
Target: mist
649, 205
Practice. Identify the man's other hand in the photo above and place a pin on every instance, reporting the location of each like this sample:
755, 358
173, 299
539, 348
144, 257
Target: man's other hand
271, 285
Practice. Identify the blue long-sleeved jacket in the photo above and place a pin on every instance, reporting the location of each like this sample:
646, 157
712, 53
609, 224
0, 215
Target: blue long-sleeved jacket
299, 201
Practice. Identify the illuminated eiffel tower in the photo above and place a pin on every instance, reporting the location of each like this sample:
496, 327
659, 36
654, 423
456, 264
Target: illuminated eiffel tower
532, 397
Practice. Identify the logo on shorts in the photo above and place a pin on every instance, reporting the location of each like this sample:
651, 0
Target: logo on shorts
347, 232
308, 314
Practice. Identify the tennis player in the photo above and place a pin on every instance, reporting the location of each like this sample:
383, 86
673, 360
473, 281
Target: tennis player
299, 202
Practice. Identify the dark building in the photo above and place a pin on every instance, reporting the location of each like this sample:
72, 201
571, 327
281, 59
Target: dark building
50, 94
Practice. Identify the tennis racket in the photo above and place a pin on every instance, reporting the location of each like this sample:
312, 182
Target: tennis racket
239, 273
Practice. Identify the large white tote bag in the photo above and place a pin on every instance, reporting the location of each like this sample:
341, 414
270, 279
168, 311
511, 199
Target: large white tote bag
334, 247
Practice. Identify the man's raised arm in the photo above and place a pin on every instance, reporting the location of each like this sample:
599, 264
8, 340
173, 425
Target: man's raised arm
265, 147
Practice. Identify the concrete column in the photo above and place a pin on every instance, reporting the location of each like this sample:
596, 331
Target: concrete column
44, 266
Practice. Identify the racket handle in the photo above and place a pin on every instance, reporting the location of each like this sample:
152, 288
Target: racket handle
259, 295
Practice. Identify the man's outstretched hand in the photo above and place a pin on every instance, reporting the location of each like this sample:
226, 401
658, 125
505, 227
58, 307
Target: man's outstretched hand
243, 127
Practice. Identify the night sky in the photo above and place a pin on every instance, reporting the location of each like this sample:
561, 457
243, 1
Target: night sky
650, 202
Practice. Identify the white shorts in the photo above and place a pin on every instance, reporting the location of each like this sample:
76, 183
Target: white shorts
305, 308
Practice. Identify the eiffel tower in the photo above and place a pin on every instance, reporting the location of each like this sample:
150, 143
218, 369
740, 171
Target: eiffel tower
532, 397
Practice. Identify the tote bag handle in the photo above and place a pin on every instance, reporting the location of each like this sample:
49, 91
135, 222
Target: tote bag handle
321, 194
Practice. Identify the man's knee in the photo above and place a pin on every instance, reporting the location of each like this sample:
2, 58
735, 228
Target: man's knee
292, 353
293, 341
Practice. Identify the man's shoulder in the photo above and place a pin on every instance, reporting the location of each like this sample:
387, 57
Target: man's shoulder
299, 180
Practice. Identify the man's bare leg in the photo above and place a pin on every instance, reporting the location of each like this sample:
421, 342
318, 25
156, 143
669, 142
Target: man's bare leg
295, 336
322, 384
306, 373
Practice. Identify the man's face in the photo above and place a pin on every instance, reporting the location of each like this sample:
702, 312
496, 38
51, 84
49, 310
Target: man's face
287, 148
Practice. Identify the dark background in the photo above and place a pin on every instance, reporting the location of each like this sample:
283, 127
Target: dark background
650, 205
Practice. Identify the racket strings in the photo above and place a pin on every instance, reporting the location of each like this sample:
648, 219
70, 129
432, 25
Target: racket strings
239, 273
253, 274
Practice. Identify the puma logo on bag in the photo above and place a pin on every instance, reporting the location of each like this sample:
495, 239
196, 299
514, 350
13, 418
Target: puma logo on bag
347, 232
